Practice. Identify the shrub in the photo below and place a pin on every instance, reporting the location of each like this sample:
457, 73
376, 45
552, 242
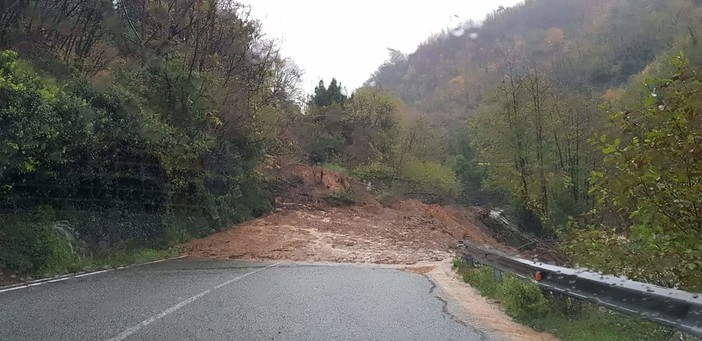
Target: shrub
342, 198
567, 318
179, 228
433, 181
142, 162
522, 299
374, 172
482, 279
335, 168
564, 305
28, 244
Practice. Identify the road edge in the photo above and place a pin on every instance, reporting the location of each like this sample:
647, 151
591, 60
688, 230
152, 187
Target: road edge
60, 278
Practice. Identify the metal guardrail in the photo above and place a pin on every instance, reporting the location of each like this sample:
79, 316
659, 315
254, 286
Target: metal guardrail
670, 307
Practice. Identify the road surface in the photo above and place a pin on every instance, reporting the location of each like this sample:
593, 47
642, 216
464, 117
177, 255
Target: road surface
196, 299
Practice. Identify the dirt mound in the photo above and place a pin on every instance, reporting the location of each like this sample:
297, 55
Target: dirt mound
407, 232
309, 224
454, 224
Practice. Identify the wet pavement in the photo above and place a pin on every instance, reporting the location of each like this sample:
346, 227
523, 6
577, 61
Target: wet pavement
198, 299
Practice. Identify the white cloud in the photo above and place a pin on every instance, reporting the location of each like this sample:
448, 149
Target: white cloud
348, 40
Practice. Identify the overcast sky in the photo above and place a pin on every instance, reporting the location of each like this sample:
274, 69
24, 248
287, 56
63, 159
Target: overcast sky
348, 40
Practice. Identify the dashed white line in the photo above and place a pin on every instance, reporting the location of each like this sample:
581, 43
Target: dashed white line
131, 330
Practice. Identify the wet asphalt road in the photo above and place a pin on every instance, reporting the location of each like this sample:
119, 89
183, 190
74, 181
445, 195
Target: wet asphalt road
192, 299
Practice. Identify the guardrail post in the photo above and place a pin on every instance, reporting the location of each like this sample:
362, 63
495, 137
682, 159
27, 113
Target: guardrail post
498, 275
470, 261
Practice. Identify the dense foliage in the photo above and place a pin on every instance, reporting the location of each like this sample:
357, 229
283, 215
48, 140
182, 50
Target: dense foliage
650, 183
558, 315
557, 130
374, 134
137, 122
141, 122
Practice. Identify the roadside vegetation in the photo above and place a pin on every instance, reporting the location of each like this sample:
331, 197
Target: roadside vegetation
374, 137
566, 318
131, 126
40, 248
137, 125
581, 120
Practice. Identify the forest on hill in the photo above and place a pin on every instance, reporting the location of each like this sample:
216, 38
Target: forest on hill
142, 124
132, 124
582, 118
135, 125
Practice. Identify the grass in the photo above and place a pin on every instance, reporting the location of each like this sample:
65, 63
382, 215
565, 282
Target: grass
335, 168
564, 317
111, 260
122, 258
31, 246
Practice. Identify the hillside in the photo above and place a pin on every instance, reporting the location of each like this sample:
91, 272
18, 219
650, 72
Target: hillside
567, 132
580, 118
131, 125
136, 125
588, 45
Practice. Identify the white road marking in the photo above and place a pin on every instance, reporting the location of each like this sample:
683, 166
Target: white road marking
131, 330
31, 284
13, 288
92, 273
76, 275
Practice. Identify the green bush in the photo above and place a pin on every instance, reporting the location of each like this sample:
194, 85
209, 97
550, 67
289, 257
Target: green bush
567, 318
428, 181
521, 299
385, 197
374, 172
141, 162
335, 168
179, 228
29, 245
482, 279
564, 305
431, 181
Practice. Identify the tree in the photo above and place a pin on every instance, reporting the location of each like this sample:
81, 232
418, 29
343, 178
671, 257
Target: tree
648, 187
326, 96
141, 122
373, 122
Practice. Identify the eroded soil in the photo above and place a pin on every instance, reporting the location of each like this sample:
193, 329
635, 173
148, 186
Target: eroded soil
406, 232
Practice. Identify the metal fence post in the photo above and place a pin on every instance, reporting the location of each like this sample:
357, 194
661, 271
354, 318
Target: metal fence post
498, 275
470, 261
